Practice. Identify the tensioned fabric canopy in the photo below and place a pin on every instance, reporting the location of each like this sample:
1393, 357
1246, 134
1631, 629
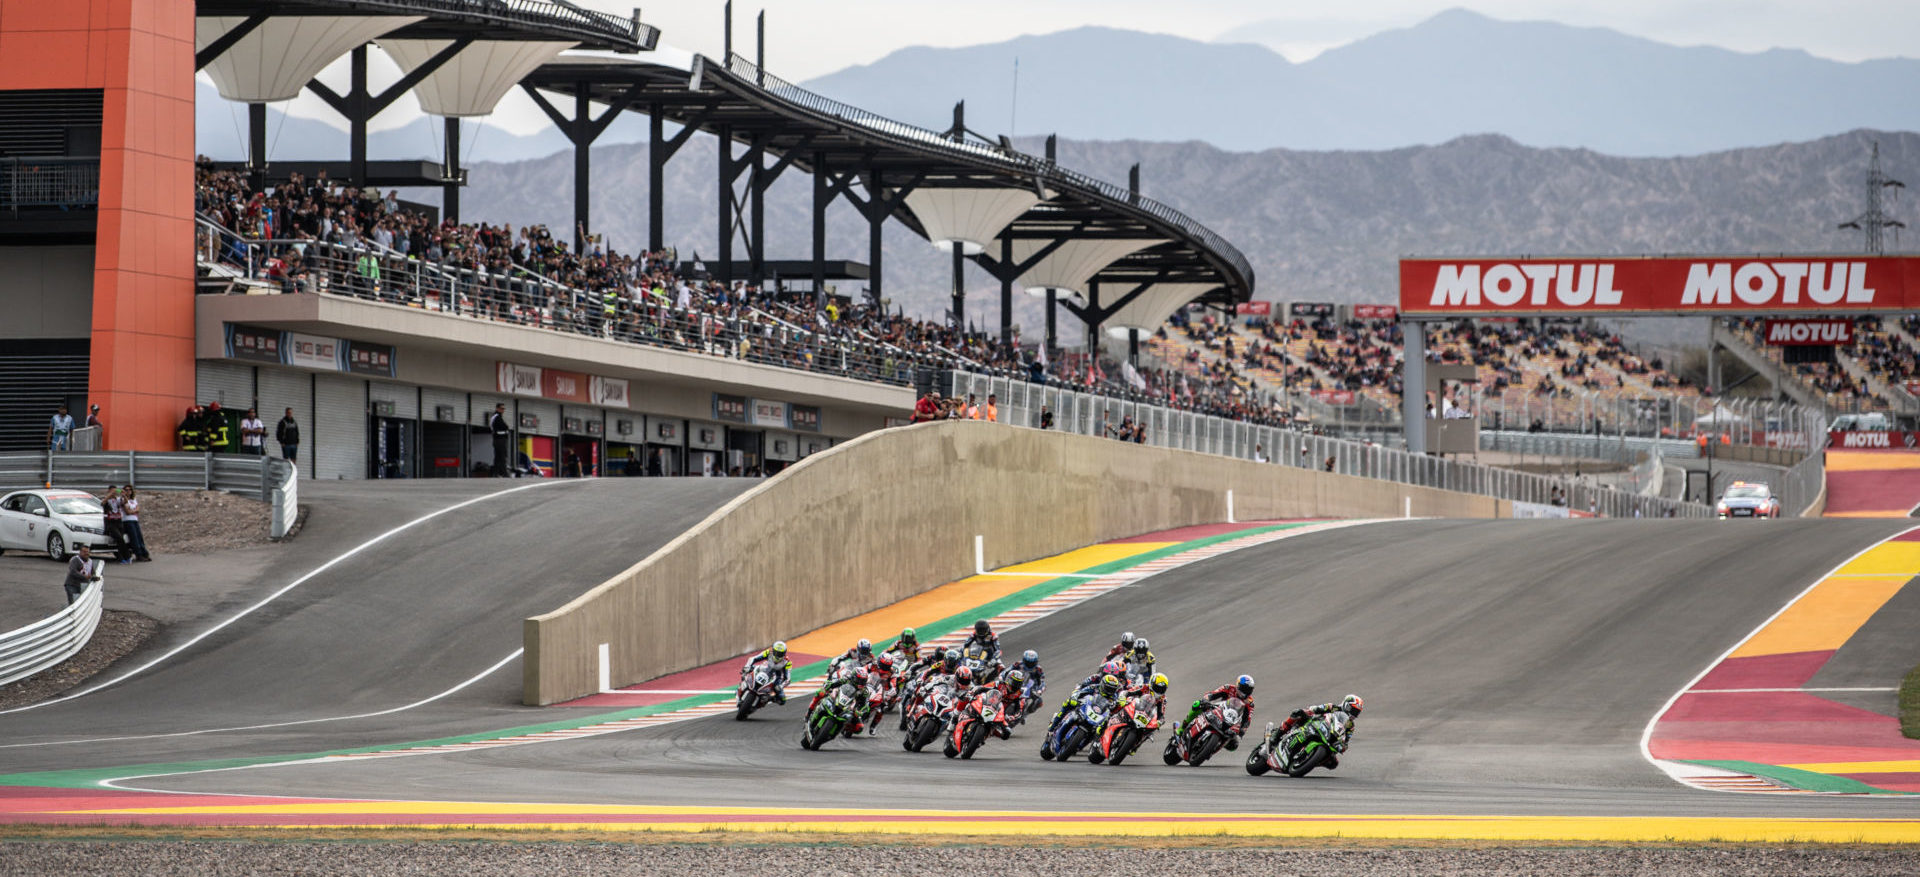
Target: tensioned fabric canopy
971, 216
1069, 267
1148, 310
473, 81
281, 55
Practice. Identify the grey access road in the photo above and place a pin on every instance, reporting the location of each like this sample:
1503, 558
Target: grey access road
421, 613
1509, 667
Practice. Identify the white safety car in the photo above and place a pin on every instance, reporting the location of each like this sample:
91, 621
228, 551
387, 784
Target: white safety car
54, 521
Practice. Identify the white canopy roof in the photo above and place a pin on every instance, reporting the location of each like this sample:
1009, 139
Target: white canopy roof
477, 77
1069, 267
278, 58
973, 217
1154, 305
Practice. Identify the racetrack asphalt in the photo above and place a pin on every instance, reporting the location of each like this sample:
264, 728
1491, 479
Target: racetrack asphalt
1509, 667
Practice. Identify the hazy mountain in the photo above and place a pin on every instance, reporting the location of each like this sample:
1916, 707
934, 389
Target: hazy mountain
1456, 74
1316, 225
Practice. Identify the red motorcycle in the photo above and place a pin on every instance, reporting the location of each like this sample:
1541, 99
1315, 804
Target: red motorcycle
927, 712
1209, 731
979, 716
1127, 728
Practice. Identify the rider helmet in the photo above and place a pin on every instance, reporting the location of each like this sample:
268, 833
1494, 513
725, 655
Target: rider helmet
1109, 685
861, 677
1015, 678
1115, 667
864, 647
885, 662
953, 657
1159, 683
1030, 658
1140, 648
963, 676
1126, 641
982, 629
779, 649
1245, 684
909, 637
1352, 704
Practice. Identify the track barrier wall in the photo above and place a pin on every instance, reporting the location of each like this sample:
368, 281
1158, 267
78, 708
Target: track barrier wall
892, 514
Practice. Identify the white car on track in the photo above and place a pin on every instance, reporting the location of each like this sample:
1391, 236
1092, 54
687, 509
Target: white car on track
54, 521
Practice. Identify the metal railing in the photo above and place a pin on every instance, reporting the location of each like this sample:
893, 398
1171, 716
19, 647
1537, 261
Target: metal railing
268, 479
43, 644
1053, 174
49, 181
1020, 404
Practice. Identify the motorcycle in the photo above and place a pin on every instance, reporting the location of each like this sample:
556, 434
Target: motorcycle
1029, 704
756, 690
985, 671
1302, 749
1126, 728
1204, 736
927, 714
985, 715
1076, 728
831, 716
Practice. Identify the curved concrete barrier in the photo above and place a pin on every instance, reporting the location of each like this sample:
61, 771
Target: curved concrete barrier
893, 513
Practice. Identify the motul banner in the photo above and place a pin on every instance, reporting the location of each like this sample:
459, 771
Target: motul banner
1807, 333
1688, 285
1254, 309
1774, 438
1375, 312
1889, 440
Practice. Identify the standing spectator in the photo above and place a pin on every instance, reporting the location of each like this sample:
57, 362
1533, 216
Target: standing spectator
79, 572
287, 433
971, 410
928, 408
1329, 464
111, 505
253, 435
59, 430
1259, 453
130, 522
497, 424
1046, 416
992, 412
93, 420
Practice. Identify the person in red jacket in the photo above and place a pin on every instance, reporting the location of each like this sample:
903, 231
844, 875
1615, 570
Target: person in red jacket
1125, 646
928, 408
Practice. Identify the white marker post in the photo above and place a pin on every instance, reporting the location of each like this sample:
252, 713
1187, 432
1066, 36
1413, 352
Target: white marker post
606, 668
1409, 507
1230, 519
979, 555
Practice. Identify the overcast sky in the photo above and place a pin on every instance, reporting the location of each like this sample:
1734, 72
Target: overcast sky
808, 38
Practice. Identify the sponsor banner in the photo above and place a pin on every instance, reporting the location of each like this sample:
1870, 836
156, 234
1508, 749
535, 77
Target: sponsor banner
1695, 285
1310, 309
254, 345
1913, 388
768, 413
1375, 312
729, 409
1538, 510
1890, 440
1774, 438
517, 380
804, 417
375, 360
314, 351
564, 386
609, 391
1254, 309
1337, 398
1793, 333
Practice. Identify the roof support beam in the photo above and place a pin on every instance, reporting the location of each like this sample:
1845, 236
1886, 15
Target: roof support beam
359, 107
582, 128
226, 40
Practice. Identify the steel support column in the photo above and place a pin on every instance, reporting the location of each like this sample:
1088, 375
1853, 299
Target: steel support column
450, 169
723, 265
357, 118
822, 197
959, 287
1053, 326
1093, 325
257, 146
656, 180
1006, 292
757, 182
876, 220
582, 170
1413, 384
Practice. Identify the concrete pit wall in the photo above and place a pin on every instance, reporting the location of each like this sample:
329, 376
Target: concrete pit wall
892, 514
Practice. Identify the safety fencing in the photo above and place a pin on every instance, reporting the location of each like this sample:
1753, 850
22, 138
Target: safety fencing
45, 643
1021, 403
268, 479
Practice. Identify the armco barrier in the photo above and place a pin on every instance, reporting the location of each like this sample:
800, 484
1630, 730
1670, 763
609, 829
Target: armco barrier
47, 642
893, 513
267, 479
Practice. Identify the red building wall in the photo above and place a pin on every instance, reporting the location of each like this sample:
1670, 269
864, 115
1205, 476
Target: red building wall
140, 54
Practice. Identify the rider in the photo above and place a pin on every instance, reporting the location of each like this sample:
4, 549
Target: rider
778, 667
861, 653
983, 635
1140, 661
906, 649
1241, 688
1108, 686
1351, 705
1158, 686
938, 662
857, 684
1125, 646
1010, 684
1030, 665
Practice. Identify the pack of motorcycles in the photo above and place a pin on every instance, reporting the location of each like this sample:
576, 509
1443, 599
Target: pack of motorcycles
933, 706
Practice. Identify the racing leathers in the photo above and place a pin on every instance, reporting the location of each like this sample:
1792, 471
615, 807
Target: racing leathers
990, 642
781, 669
1139, 668
1221, 695
1300, 716
852, 658
862, 703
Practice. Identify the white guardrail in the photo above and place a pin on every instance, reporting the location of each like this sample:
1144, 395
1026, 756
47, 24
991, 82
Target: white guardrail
268, 479
47, 642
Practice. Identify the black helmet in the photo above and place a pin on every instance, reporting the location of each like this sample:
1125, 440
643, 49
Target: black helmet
1030, 658
981, 628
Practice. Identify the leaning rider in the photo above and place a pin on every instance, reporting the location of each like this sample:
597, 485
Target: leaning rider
1139, 662
1351, 705
1108, 687
1125, 646
1030, 665
857, 684
778, 667
983, 635
906, 649
1241, 688
861, 655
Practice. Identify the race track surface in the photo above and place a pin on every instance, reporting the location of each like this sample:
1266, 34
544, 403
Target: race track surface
1509, 667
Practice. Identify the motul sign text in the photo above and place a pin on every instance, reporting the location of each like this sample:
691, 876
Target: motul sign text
1787, 333
1524, 287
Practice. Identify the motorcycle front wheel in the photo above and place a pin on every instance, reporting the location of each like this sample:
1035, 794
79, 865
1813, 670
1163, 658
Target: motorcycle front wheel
1257, 760
1123, 744
1172, 754
1312, 761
